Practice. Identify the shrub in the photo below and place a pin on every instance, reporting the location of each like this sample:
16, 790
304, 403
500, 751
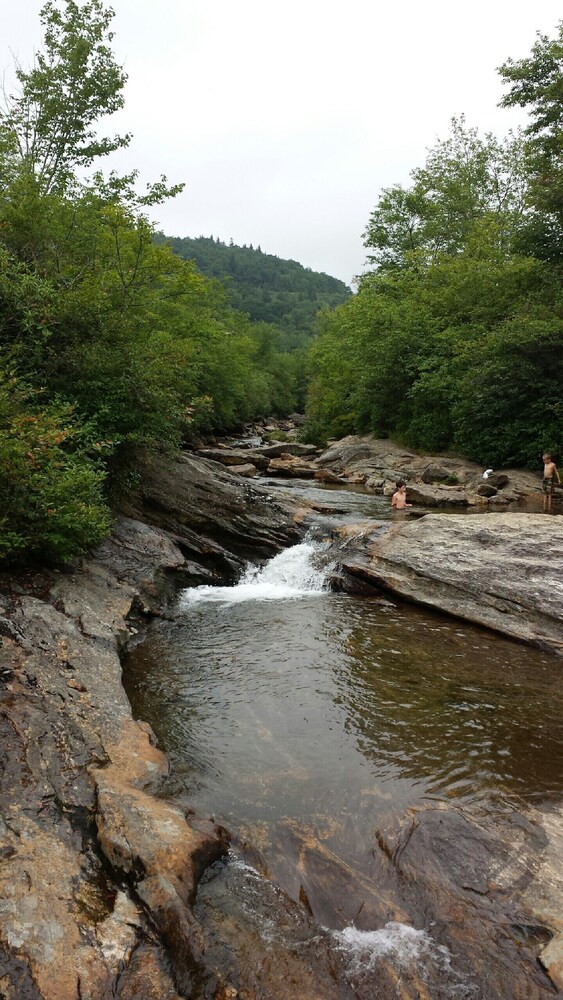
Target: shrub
51, 488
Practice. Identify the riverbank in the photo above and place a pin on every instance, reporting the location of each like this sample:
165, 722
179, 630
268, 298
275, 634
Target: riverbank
433, 481
98, 870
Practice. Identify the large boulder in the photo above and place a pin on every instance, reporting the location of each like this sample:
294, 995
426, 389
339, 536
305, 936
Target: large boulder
442, 496
504, 571
292, 467
232, 456
216, 518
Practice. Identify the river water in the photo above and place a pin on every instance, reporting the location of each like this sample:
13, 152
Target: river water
387, 775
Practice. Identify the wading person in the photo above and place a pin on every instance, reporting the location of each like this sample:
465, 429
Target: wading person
399, 498
550, 474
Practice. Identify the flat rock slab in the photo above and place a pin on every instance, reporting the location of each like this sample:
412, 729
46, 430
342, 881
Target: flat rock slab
503, 571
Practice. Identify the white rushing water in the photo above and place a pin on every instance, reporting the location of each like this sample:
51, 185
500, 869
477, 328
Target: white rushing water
295, 572
406, 949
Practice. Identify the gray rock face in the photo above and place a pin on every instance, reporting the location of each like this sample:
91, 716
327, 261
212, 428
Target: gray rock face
80, 780
504, 571
78, 788
216, 518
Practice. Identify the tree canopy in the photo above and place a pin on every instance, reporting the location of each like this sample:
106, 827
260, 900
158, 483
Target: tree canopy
455, 339
267, 288
110, 344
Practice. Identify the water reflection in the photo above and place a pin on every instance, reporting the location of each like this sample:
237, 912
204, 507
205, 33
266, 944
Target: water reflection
276, 708
322, 732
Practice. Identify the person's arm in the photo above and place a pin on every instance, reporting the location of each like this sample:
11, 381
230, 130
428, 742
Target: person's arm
556, 471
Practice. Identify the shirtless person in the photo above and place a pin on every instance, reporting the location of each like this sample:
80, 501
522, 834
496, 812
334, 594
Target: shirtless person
550, 474
399, 498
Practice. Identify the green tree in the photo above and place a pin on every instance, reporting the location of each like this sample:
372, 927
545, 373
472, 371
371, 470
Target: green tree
536, 83
49, 125
465, 177
51, 484
110, 344
454, 340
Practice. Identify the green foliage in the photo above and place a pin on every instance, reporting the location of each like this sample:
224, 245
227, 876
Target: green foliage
51, 494
509, 404
455, 341
268, 289
536, 83
465, 178
114, 337
50, 123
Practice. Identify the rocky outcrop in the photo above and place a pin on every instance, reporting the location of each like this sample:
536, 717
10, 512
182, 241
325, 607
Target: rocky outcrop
216, 518
291, 467
278, 458
98, 870
377, 463
431, 481
94, 867
504, 571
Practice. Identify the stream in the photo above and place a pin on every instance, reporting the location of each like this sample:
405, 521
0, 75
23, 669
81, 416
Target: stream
389, 777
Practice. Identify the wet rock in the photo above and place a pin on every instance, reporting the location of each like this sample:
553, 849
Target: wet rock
467, 878
248, 471
504, 571
216, 519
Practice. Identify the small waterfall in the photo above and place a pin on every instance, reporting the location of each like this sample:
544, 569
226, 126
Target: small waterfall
295, 572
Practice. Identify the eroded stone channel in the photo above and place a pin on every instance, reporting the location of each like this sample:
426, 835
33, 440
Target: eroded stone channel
390, 779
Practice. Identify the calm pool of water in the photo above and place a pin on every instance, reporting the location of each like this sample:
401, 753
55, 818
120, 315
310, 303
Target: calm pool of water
307, 722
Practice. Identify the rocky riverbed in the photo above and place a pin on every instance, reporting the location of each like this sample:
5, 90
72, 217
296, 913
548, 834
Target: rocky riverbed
377, 464
98, 870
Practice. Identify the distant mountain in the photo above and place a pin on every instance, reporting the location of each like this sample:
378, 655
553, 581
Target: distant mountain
266, 287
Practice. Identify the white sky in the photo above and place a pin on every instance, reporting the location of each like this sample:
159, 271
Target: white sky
285, 119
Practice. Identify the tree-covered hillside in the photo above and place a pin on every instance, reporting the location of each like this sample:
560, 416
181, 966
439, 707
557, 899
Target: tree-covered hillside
267, 288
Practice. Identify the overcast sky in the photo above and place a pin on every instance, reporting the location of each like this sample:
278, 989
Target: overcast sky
285, 119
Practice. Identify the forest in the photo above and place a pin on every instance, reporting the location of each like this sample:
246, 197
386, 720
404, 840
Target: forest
111, 345
265, 287
115, 341
454, 339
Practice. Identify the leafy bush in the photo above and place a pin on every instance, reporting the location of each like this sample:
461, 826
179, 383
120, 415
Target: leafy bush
51, 487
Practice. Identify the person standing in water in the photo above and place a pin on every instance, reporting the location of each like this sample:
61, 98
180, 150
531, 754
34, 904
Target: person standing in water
550, 474
399, 498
